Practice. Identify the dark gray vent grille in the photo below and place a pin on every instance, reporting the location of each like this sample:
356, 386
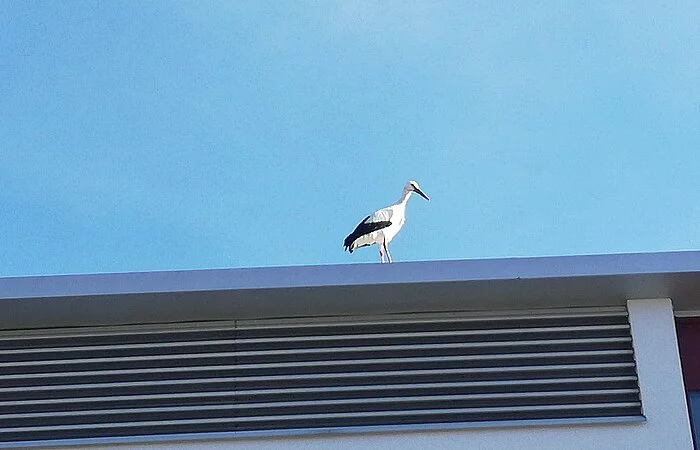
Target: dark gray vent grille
235, 377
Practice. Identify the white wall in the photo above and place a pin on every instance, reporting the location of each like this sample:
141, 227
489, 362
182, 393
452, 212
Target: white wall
663, 400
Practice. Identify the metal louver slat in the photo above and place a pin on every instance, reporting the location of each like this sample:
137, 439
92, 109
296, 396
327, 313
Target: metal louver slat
318, 374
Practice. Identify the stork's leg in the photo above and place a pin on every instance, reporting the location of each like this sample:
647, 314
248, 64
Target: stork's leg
381, 253
386, 250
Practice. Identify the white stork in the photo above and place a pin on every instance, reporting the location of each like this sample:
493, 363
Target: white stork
381, 227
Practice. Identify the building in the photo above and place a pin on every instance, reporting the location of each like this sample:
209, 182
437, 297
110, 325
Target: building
577, 352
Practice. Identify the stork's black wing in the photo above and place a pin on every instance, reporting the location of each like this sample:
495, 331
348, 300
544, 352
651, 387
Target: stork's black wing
364, 228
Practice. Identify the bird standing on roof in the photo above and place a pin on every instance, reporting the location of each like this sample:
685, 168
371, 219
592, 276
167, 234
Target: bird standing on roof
381, 227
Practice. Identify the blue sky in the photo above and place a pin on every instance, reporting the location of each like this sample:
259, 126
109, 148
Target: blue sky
182, 135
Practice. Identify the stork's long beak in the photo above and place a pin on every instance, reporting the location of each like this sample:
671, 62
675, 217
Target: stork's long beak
419, 192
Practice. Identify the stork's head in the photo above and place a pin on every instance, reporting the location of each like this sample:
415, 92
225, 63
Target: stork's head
412, 186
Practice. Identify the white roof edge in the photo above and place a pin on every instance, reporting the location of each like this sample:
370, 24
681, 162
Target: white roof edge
495, 269
361, 289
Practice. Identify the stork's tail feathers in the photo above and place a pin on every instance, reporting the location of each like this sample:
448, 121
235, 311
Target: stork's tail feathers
347, 246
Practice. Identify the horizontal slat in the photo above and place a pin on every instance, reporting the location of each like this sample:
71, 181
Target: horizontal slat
472, 317
331, 334
162, 370
123, 331
426, 412
332, 391
77, 398
498, 370
62, 363
367, 404
426, 334
563, 383
186, 346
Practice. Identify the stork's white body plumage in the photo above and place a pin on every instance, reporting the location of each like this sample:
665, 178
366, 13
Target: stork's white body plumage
383, 225
395, 214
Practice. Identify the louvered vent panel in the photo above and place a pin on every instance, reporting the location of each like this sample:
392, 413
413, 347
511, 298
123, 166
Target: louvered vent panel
228, 377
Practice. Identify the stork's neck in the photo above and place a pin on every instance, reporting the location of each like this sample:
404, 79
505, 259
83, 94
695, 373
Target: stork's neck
404, 198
